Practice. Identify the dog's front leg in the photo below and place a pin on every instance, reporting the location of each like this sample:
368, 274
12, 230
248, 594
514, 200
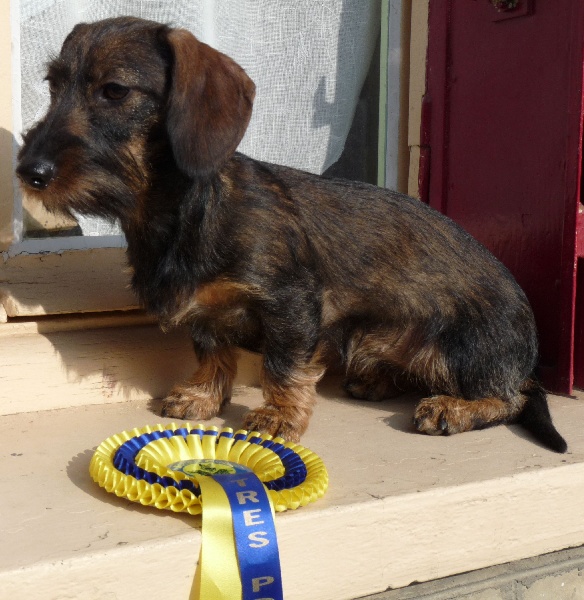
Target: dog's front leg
203, 396
288, 402
292, 366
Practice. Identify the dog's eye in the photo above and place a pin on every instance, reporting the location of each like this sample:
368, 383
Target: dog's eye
114, 91
52, 86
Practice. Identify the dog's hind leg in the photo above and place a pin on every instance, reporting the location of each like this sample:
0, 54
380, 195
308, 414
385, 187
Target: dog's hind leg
443, 414
203, 396
492, 396
462, 398
373, 371
379, 382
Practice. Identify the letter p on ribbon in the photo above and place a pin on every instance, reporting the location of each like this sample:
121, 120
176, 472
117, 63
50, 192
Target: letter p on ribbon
258, 582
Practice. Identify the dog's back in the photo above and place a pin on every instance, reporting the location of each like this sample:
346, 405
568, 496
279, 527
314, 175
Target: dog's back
386, 259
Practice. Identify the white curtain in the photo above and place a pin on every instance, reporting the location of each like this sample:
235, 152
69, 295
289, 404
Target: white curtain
308, 58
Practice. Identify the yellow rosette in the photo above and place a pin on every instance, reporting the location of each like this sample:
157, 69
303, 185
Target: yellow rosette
239, 478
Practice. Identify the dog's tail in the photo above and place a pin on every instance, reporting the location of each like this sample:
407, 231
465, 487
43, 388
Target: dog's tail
536, 418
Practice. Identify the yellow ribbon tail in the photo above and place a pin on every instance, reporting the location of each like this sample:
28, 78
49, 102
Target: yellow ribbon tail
217, 575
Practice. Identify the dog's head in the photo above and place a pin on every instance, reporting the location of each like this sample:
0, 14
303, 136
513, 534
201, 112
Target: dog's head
131, 98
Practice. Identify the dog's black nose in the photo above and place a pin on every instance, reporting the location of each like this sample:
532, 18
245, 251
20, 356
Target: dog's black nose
37, 174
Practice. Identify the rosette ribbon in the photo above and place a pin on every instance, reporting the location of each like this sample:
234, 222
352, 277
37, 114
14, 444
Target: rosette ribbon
237, 480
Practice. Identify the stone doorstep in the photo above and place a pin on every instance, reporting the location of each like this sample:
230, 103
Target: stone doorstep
557, 576
401, 507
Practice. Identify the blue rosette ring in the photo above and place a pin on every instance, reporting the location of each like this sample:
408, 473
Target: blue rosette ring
138, 465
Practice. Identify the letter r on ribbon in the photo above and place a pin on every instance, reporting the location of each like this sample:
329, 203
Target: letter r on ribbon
243, 497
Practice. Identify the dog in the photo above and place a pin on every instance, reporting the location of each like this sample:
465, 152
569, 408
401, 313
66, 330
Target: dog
143, 127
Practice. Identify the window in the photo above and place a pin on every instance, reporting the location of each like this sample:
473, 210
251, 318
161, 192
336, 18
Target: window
309, 61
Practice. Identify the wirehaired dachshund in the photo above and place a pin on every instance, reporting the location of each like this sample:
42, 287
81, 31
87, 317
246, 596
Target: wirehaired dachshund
143, 127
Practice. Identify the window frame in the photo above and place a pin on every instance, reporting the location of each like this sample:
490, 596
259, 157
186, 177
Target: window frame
89, 274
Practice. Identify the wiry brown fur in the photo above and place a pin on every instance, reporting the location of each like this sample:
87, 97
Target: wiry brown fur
143, 126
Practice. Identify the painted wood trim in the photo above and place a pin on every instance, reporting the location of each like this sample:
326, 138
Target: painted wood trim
50, 368
92, 280
418, 49
396, 71
382, 133
61, 323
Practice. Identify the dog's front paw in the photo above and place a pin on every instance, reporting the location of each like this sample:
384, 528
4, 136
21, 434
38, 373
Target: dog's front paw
442, 415
191, 403
273, 421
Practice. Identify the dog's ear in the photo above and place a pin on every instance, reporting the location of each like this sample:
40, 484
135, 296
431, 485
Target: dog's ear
209, 106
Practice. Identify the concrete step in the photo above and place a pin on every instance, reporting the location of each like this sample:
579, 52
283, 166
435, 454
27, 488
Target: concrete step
401, 507
554, 576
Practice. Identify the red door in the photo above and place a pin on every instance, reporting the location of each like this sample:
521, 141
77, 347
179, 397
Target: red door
502, 151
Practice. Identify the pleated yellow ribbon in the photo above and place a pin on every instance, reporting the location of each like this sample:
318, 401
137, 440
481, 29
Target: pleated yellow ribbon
218, 572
